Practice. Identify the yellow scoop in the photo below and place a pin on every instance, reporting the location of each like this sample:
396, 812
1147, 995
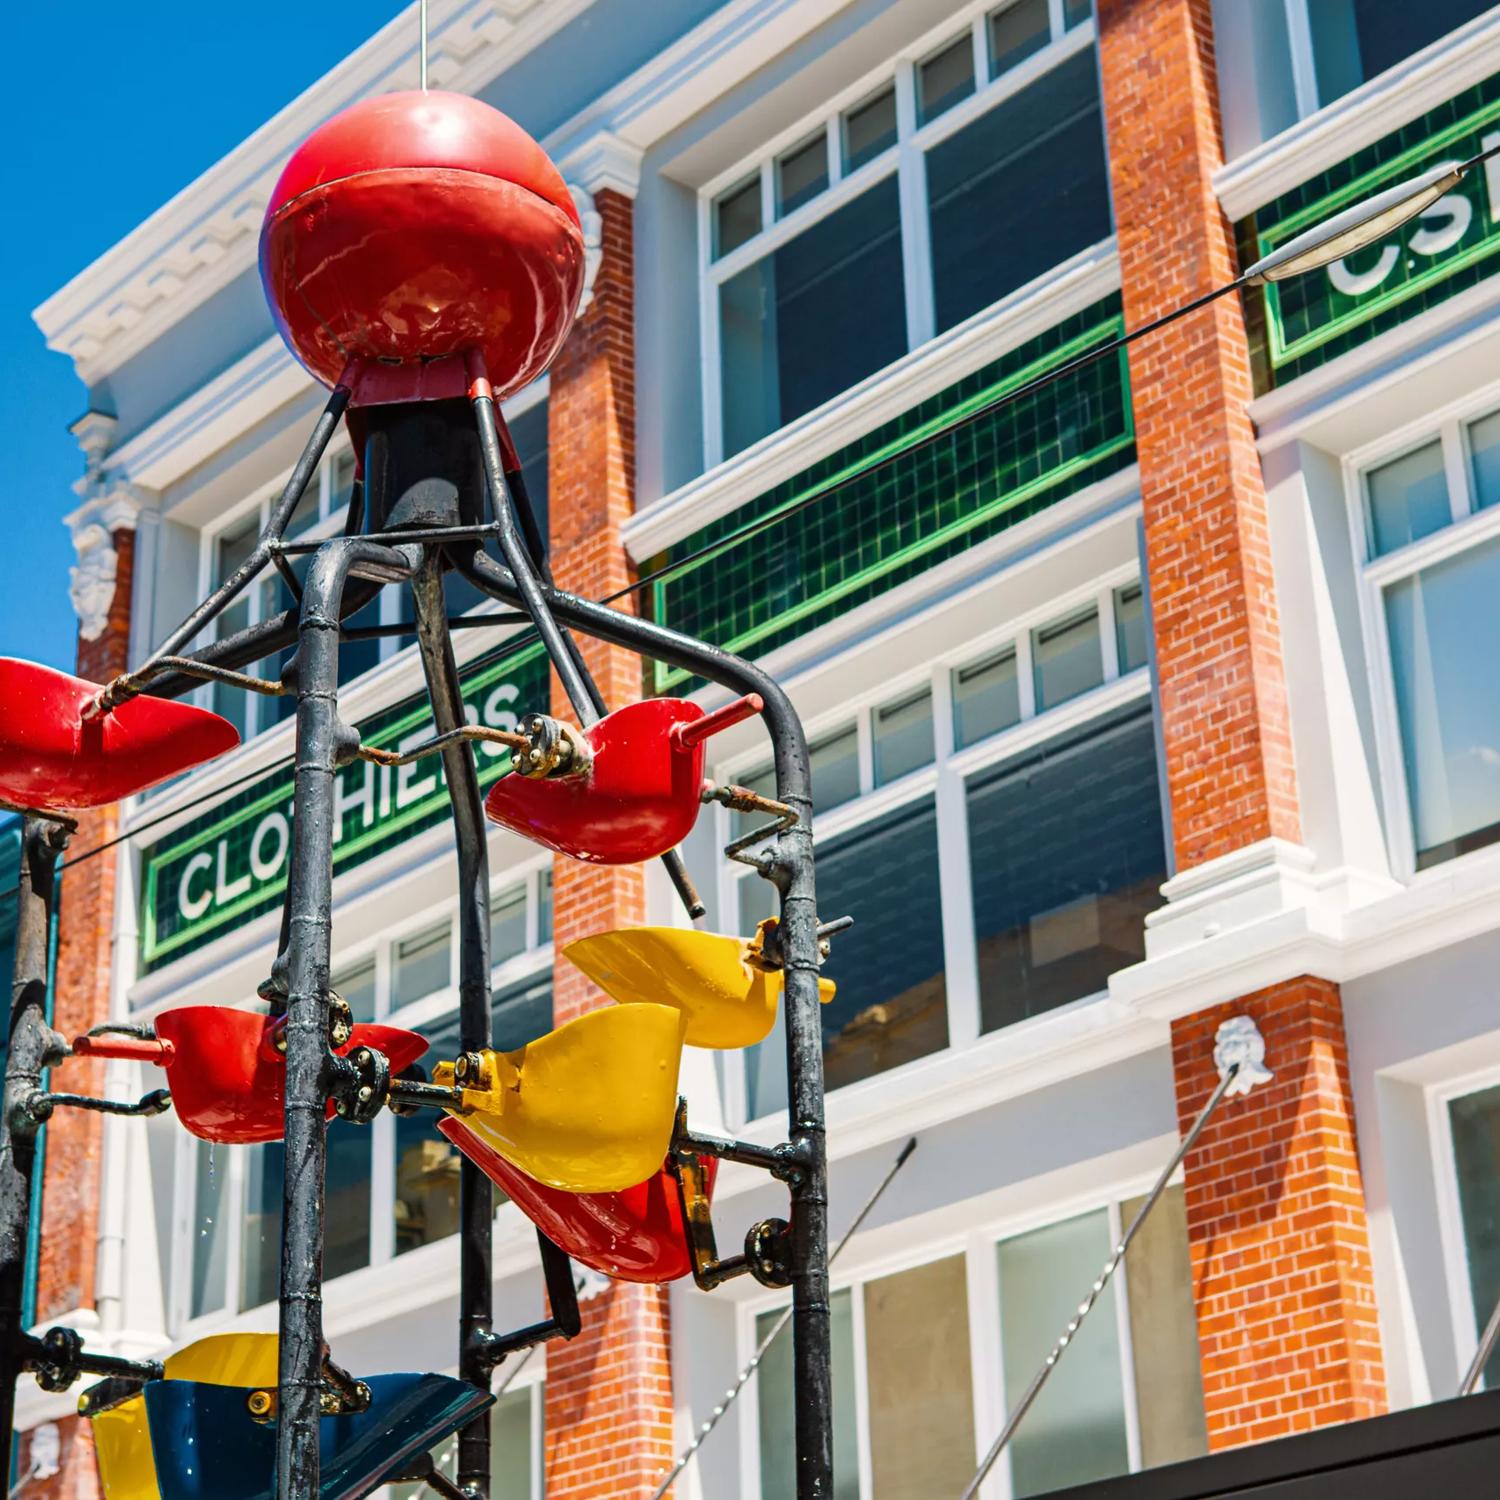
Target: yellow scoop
587, 1108
122, 1438
719, 983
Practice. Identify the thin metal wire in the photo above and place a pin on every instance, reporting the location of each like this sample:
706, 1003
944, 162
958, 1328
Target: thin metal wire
422, 43
1049, 1364
743, 1379
1487, 1343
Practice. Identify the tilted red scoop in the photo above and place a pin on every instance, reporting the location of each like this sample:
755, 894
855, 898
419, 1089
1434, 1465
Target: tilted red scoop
636, 1235
637, 798
228, 1080
53, 758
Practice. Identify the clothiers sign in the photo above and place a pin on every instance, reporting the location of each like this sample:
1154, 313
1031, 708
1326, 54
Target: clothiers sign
1451, 246
230, 865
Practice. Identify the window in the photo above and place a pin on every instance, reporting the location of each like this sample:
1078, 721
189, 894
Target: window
811, 256
1474, 1122
1063, 833
1433, 547
1126, 1395
1066, 859
393, 1185
1356, 40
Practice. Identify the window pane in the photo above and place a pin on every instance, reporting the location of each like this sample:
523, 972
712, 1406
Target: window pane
1484, 459
1450, 725
507, 924
260, 1268
945, 78
1130, 628
1017, 191
737, 216
342, 486
230, 550
765, 1063
801, 173
1164, 1334
1355, 40
1076, 12
812, 318
1067, 857
1076, 1430
903, 737
522, 1012
917, 1371
986, 698
1475, 1120
544, 909
834, 762
1016, 32
305, 516
510, 1444
529, 433
891, 1004
1408, 499
426, 1165
778, 1449
210, 1229
421, 966
1067, 660
869, 129
357, 986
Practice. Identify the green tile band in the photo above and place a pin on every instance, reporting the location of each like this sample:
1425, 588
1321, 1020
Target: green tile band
893, 509
230, 865
1308, 320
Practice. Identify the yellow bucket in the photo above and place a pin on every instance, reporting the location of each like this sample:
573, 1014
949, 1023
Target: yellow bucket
718, 982
587, 1108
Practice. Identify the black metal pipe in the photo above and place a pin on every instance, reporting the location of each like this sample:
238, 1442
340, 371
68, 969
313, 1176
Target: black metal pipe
564, 1318
33, 1047
790, 865
476, 1211
322, 742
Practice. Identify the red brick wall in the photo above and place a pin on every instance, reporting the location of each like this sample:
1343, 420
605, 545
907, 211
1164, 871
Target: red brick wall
609, 1391
1229, 768
71, 1188
1287, 1323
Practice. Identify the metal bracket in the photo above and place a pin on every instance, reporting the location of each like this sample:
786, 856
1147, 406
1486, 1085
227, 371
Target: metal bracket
562, 1297
742, 799
341, 1395
38, 1107
58, 1358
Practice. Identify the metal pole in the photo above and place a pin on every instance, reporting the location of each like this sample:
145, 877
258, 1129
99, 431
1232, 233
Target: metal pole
1481, 1354
321, 743
33, 1046
743, 1378
1049, 1364
476, 1202
789, 863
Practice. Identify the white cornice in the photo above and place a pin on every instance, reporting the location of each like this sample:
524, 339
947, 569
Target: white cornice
603, 162
203, 238
1426, 79
1073, 286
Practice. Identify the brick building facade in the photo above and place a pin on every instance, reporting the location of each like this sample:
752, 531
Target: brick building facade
1136, 705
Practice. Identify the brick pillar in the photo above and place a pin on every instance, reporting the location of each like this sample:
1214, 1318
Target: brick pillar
1287, 1323
609, 1391
1229, 767
1276, 1216
72, 1189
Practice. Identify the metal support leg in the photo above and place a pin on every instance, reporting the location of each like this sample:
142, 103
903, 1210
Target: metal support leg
790, 865
322, 742
33, 1046
476, 1201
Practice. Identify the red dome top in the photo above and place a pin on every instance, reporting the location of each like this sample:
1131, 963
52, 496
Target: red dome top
413, 129
413, 230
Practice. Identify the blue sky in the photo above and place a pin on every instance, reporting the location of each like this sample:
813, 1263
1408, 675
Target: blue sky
113, 109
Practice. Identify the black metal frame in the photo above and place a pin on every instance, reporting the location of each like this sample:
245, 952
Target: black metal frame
424, 529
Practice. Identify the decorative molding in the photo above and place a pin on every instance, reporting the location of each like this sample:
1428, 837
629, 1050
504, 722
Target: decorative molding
603, 162
1238, 1043
199, 241
1428, 78
593, 243
91, 580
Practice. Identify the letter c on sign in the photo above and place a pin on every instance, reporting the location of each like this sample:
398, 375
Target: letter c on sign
193, 907
1357, 283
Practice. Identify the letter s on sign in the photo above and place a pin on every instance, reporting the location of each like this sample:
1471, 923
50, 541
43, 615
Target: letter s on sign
193, 907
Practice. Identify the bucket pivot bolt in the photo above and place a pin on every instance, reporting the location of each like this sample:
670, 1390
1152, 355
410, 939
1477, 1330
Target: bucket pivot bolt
768, 1249
555, 749
363, 1083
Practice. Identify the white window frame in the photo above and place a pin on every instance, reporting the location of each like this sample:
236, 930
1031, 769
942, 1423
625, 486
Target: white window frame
945, 779
422, 1012
1468, 528
978, 1242
905, 158
328, 524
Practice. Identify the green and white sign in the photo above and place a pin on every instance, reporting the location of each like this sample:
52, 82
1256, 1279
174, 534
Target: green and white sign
1452, 245
231, 864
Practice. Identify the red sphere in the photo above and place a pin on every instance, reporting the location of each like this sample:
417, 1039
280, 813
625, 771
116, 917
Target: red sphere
416, 226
